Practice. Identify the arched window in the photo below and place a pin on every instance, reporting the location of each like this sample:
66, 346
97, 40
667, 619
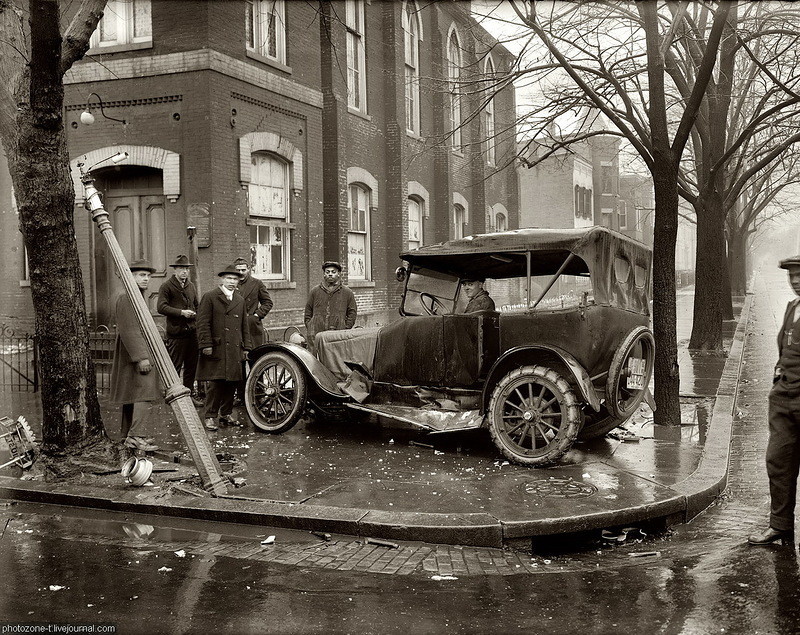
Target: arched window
500, 222
488, 114
415, 215
454, 78
412, 38
269, 220
358, 234
459, 220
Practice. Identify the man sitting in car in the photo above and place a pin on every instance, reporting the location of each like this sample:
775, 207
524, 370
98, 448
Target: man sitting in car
478, 297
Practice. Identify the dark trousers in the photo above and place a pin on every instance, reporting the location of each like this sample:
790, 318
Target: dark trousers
135, 417
219, 398
783, 458
184, 353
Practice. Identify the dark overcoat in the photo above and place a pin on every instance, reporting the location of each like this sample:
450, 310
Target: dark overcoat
481, 302
128, 385
329, 309
174, 298
257, 304
222, 326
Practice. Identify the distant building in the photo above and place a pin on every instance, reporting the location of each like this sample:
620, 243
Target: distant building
292, 132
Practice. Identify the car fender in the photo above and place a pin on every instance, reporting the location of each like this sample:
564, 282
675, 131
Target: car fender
324, 379
579, 374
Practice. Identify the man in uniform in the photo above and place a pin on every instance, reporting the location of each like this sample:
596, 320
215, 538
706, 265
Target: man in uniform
223, 339
177, 300
783, 447
257, 304
330, 305
135, 383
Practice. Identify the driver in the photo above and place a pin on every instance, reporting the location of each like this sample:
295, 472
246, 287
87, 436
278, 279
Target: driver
479, 299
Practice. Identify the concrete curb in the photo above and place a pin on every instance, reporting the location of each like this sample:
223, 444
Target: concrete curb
710, 478
692, 495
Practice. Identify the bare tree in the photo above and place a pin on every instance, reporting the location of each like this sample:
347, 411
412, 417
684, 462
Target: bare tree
34, 55
612, 58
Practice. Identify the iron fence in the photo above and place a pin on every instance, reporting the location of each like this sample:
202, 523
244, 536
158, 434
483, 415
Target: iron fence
19, 361
101, 345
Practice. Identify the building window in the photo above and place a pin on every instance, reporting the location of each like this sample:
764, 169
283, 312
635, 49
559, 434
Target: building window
500, 222
587, 204
606, 179
356, 64
124, 22
488, 115
459, 220
454, 77
270, 227
411, 29
415, 216
266, 28
358, 236
608, 217
141, 229
622, 213
583, 202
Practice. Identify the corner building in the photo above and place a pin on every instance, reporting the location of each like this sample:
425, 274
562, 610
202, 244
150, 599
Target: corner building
290, 131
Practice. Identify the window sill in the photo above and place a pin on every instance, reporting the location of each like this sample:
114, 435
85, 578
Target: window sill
458, 153
361, 284
358, 113
25, 283
118, 48
279, 284
413, 135
258, 57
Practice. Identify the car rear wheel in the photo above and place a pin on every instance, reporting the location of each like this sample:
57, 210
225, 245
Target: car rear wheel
275, 392
630, 372
533, 416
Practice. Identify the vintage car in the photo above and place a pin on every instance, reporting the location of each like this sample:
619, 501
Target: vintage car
568, 353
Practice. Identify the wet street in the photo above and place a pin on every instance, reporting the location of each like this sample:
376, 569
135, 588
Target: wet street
149, 574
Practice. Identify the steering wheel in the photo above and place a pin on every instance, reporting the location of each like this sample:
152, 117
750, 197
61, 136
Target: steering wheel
435, 302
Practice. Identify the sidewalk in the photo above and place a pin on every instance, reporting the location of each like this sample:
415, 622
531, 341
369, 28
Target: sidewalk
379, 481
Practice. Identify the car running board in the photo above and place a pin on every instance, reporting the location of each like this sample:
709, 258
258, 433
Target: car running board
434, 421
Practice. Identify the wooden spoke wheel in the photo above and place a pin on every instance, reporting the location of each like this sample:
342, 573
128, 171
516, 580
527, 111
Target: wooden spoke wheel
533, 416
630, 372
275, 392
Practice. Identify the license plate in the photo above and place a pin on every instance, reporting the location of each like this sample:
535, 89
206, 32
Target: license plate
636, 368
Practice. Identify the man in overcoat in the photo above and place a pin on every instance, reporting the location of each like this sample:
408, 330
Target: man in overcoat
783, 447
177, 300
478, 298
223, 339
258, 303
135, 382
330, 305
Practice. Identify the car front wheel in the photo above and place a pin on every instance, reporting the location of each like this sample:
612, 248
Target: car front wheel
533, 416
275, 392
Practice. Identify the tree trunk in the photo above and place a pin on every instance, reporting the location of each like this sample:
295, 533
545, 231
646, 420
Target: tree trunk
39, 166
737, 262
665, 232
710, 273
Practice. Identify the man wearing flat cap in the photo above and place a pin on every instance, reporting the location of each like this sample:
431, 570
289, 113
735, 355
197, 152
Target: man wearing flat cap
223, 339
330, 305
783, 447
177, 300
478, 297
135, 382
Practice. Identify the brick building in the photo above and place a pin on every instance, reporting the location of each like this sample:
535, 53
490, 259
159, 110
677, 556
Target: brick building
294, 132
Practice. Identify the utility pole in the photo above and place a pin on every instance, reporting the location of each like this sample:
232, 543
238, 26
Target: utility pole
177, 395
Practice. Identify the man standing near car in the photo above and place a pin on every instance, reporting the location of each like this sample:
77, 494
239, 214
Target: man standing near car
330, 305
783, 447
257, 304
223, 339
177, 300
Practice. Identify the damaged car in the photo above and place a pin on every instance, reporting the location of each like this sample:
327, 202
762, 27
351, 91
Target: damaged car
567, 354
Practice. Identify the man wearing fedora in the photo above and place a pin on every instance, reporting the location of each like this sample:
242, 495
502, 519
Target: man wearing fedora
330, 305
223, 339
783, 447
135, 382
257, 303
177, 300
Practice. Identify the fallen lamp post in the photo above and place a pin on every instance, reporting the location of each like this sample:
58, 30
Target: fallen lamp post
177, 395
